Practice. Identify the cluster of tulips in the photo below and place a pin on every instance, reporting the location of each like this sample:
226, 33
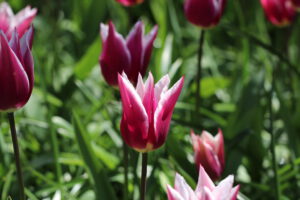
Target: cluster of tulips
147, 107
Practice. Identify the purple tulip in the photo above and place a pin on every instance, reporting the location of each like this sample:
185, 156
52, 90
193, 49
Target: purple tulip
204, 13
205, 190
147, 111
16, 70
130, 2
131, 55
21, 21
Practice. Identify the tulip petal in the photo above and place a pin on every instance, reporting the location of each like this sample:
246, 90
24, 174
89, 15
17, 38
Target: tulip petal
140, 87
234, 192
134, 124
23, 19
164, 110
115, 57
183, 188
173, 194
161, 87
14, 84
220, 148
5, 16
223, 190
204, 181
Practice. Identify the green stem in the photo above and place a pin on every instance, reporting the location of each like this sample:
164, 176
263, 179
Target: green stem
271, 130
144, 175
14, 138
199, 71
125, 154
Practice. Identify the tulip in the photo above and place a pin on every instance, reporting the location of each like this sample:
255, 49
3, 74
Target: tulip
21, 21
16, 70
130, 2
147, 111
131, 55
204, 13
279, 12
205, 190
296, 4
209, 153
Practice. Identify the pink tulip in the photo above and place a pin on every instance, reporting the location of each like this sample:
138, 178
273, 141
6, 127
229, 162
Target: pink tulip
21, 21
147, 111
296, 4
130, 2
131, 55
16, 70
279, 12
205, 190
204, 13
209, 153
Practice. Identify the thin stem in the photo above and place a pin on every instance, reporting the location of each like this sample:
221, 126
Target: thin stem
271, 130
144, 174
199, 71
14, 138
125, 154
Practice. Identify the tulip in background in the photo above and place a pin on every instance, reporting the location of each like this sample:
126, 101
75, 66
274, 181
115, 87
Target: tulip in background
296, 4
16, 70
204, 13
147, 111
209, 153
130, 2
279, 12
131, 56
21, 21
205, 190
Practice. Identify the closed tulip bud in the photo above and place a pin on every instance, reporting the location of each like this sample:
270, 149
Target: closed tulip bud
279, 12
131, 56
130, 2
204, 13
16, 70
209, 153
21, 21
205, 190
147, 111
296, 4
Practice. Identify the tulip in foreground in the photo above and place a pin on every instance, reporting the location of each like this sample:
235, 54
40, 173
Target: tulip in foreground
205, 190
279, 12
16, 70
204, 13
209, 153
130, 2
21, 21
131, 55
147, 111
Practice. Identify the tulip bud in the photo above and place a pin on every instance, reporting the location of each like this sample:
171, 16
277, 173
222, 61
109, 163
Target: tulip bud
279, 12
147, 111
130, 2
16, 70
131, 56
204, 13
296, 4
205, 189
209, 153
21, 21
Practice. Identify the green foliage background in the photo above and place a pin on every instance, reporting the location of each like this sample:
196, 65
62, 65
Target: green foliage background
69, 130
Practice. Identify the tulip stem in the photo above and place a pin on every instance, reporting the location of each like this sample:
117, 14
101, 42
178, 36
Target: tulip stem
273, 152
144, 175
199, 71
14, 138
125, 154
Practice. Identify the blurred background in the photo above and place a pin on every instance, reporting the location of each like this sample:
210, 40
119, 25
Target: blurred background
240, 56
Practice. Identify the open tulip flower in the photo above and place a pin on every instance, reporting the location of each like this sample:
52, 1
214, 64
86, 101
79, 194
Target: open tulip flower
296, 4
16, 70
147, 111
131, 55
204, 13
205, 190
279, 12
209, 153
130, 2
21, 21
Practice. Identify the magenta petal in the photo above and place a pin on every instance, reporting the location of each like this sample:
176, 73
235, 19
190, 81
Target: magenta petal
24, 18
115, 57
14, 84
135, 47
173, 194
134, 125
130, 2
164, 110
